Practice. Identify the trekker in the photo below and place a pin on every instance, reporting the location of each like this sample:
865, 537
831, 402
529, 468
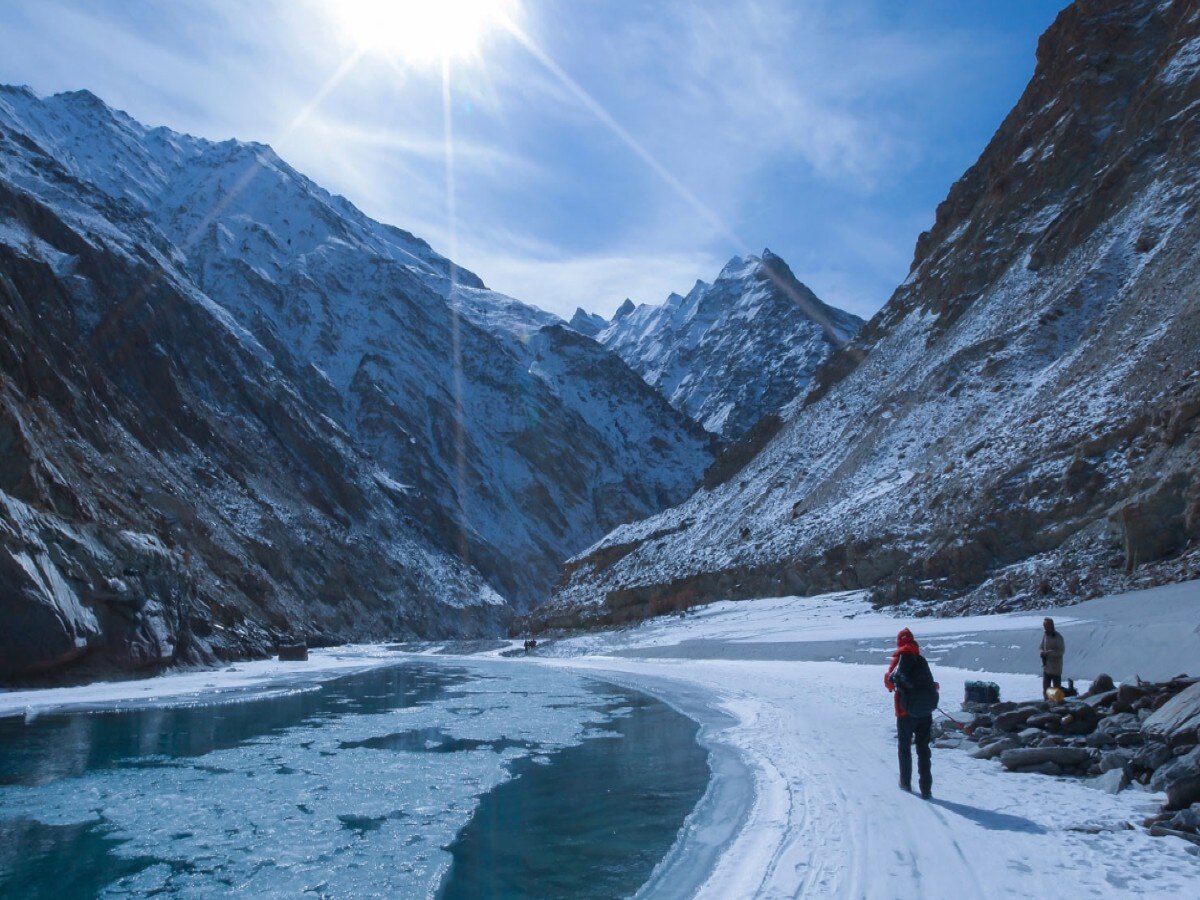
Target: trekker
1053, 649
916, 697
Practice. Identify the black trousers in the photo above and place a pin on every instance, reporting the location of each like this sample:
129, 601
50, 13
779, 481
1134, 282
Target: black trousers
909, 728
1049, 681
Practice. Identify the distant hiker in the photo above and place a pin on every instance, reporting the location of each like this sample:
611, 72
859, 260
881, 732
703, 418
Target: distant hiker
530, 644
916, 697
1053, 648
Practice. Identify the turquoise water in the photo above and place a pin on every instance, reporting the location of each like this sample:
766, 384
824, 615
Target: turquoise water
480, 780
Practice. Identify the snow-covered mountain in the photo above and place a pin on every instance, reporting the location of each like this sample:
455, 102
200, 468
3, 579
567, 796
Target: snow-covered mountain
731, 351
586, 323
375, 361
1019, 423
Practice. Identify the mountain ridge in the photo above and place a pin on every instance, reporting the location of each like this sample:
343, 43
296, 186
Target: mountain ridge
1018, 424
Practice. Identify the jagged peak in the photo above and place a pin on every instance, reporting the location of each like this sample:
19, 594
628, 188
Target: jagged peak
624, 309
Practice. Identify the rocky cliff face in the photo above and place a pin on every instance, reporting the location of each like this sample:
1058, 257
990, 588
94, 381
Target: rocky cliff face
734, 350
1019, 423
237, 408
165, 496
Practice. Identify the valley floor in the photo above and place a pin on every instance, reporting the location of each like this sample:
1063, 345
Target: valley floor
817, 734
805, 800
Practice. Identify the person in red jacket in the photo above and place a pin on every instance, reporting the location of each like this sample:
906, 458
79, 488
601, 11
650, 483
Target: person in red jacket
915, 693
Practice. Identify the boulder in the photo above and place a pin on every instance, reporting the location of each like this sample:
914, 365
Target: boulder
1180, 779
1029, 735
1014, 719
1179, 714
1047, 721
994, 749
1104, 698
1111, 782
1046, 768
1187, 819
1114, 759
1150, 757
1024, 758
1119, 722
293, 652
1101, 685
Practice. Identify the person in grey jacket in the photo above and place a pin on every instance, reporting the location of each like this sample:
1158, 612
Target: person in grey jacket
1053, 648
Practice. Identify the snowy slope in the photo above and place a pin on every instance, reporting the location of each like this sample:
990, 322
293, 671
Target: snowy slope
1019, 422
733, 350
165, 496
423, 367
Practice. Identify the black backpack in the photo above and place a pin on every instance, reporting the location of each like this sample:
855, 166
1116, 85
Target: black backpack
917, 690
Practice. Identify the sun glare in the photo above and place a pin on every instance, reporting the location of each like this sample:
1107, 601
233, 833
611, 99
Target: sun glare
421, 31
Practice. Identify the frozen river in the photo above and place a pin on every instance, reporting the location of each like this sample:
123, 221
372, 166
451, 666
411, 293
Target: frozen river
461, 779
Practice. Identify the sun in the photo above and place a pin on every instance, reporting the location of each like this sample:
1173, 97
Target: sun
421, 31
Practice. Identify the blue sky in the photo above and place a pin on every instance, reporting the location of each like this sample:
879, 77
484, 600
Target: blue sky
622, 148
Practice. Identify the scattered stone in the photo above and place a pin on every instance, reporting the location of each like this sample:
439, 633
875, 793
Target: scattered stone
1187, 819
1151, 757
1048, 721
1179, 714
1111, 782
1046, 768
1114, 759
1014, 719
994, 749
1180, 779
1100, 685
1024, 757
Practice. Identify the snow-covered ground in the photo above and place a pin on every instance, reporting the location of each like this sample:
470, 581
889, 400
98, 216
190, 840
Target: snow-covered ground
805, 802
828, 818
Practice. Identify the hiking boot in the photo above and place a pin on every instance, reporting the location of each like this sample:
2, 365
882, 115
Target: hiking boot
926, 793
905, 786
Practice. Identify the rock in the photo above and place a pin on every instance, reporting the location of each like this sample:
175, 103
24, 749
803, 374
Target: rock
1078, 725
1130, 739
1114, 759
1111, 782
1154, 522
1029, 735
1183, 739
1047, 721
1101, 685
1187, 819
1099, 739
1115, 724
1180, 779
994, 749
1130, 693
1097, 700
293, 652
1151, 757
1025, 757
1179, 714
1046, 768
1014, 719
